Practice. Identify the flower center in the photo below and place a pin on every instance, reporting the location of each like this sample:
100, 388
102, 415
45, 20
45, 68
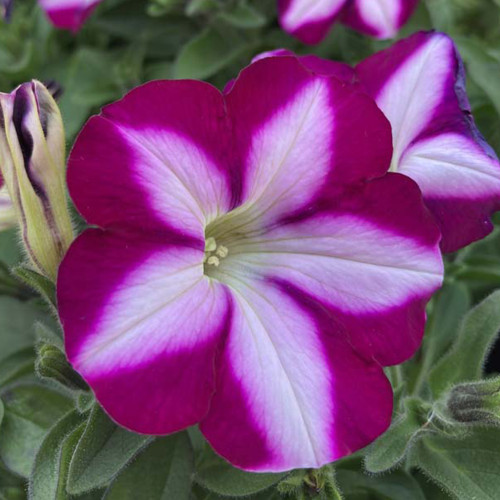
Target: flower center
214, 253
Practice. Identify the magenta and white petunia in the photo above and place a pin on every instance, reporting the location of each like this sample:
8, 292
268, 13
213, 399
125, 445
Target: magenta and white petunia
68, 14
311, 20
419, 84
247, 269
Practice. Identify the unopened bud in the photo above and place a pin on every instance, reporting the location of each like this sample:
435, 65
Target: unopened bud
52, 364
32, 162
476, 403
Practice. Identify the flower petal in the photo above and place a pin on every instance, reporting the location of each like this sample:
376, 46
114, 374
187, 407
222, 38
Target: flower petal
309, 20
305, 134
315, 64
378, 18
166, 155
291, 393
142, 325
461, 183
69, 14
419, 85
373, 266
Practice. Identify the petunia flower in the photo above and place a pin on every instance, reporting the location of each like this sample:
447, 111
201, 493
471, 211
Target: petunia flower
69, 14
311, 20
419, 84
247, 269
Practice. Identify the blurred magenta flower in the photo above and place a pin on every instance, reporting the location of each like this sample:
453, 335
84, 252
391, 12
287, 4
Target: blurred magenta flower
419, 84
311, 20
251, 267
69, 14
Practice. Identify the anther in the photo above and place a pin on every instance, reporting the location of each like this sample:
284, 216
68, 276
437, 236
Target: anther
213, 261
222, 251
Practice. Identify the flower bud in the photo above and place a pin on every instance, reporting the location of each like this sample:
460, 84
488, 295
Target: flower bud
32, 162
52, 364
476, 403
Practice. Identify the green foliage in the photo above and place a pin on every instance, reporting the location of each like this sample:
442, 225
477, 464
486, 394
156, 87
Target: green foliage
30, 411
103, 450
216, 475
161, 472
466, 359
466, 466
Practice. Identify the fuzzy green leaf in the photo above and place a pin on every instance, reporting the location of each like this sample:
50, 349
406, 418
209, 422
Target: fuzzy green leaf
30, 411
101, 453
218, 476
467, 467
49, 475
161, 472
390, 448
466, 359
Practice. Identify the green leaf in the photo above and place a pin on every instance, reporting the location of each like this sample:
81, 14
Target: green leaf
218, 476
37, 282
390, 449
465, 361
17, 365
16, 325
482, 67
209, 52
161, 472
398, 485
449, 306
102, 452
10, 253
30, 411
469, 467
243, 16
50, 470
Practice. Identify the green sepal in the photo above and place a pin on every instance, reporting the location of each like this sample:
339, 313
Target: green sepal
37, 282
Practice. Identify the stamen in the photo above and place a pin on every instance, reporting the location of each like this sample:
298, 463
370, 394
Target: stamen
214, 253
222, 251
213, 261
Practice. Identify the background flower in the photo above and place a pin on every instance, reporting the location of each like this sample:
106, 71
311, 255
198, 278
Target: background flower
310, 281
311, 20
69, 14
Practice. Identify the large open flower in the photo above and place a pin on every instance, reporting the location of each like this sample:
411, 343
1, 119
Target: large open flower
251, 268
69, 14
310, 20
